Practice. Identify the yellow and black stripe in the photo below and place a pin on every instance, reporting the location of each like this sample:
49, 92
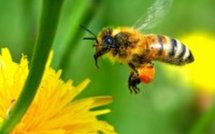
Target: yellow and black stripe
169, 50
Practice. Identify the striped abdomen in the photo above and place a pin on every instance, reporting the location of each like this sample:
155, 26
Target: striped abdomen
168, 50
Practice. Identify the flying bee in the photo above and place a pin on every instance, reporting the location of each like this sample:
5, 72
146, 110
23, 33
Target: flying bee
130, 46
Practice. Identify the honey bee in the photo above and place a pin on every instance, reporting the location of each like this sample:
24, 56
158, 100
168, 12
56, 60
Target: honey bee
130, 46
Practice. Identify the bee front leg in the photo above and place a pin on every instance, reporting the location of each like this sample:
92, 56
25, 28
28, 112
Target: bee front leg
133, 81
98, 54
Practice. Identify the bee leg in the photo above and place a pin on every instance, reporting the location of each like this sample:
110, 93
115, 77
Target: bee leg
96, 60
133, 81
133, 67
99, 54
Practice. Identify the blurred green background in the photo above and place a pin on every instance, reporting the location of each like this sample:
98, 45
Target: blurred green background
166, 106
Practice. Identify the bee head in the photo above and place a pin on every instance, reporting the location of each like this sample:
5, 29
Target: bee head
106, 40
103, 44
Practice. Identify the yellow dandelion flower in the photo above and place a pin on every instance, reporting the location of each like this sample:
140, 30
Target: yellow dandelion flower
201, 72
53, 110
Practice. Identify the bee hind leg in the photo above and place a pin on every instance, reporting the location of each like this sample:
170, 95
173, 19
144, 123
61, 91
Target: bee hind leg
133, 81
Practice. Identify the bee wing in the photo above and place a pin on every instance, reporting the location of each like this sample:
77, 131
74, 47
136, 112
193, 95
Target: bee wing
153, 15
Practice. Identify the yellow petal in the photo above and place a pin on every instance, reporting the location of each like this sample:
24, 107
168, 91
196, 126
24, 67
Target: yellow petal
53, 110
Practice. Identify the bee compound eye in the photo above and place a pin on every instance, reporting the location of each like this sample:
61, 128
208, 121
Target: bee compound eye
108, 40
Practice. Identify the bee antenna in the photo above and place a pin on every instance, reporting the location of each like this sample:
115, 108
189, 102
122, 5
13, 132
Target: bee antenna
87, 30
89, 38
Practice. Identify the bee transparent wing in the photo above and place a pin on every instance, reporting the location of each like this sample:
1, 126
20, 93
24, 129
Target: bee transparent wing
153, 15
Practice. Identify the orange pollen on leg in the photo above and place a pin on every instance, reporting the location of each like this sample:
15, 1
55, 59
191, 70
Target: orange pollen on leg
146, 74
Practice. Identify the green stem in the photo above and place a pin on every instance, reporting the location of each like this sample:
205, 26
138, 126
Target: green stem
204, 121
48, 25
